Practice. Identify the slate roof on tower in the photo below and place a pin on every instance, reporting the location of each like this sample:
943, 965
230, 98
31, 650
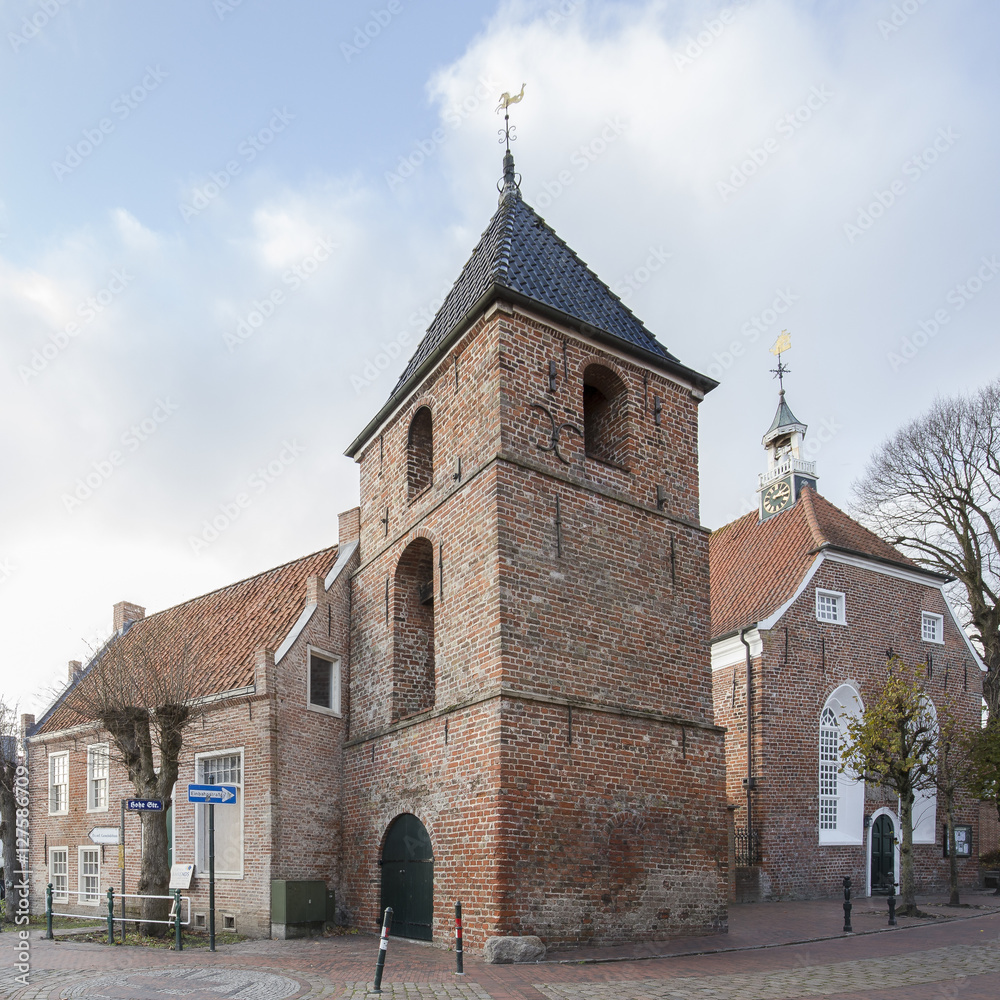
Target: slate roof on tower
520, 258
755, 566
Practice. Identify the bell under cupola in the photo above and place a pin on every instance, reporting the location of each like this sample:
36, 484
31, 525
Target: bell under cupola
788, 473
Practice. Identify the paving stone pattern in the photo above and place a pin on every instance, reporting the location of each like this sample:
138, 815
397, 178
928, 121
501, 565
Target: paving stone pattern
937, 965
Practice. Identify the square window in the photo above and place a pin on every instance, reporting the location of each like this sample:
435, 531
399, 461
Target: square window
324, 683
830, 607
97, 777
932, 627
59, 783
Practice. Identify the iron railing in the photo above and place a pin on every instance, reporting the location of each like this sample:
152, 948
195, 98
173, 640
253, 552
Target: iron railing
747, 848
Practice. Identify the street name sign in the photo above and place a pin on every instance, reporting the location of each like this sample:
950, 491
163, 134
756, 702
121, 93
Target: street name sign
144, 805
220, 795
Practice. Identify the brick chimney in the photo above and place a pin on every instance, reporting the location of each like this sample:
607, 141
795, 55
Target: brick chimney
27, 721
75, 669
125, 612
314, 589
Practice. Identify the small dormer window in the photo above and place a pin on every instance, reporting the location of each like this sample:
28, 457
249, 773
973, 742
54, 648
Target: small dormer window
830, 607
932, 627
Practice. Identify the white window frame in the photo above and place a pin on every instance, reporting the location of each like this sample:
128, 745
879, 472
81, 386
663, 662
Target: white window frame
845, 703
57, 895
201, 815
334, 707
95, 751
841, 602
95, 898
54, 758
938, 620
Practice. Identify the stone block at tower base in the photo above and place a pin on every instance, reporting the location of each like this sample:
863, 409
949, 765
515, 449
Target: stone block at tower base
504, 950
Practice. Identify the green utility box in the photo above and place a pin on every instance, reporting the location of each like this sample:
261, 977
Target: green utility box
298, 908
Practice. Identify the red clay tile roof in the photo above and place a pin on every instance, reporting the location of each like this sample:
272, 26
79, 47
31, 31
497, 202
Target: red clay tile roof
756, 565
225, 629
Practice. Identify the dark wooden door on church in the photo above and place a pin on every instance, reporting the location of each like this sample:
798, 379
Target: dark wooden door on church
883, 855
408, 878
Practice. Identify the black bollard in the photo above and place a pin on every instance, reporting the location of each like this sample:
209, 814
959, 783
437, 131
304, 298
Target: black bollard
848, 929
892, 905
458, 940
383, 946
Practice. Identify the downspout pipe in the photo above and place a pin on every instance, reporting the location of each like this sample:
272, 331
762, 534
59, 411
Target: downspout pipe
749, 779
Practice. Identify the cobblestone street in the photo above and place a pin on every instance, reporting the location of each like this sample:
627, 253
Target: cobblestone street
935, 959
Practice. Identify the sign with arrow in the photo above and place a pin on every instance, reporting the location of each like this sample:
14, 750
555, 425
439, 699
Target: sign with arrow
104, 835
144, 805
220, 795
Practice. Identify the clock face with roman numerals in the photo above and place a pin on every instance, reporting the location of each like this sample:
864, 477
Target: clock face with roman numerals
777, 497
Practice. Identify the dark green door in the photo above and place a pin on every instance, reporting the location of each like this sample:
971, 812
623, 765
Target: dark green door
883, 855
408, 878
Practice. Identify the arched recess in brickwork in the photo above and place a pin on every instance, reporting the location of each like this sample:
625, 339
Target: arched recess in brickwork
841, 796
413, 631
420, 452
605, 415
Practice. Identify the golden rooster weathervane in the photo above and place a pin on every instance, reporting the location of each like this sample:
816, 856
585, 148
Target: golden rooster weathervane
505, 102
782, 344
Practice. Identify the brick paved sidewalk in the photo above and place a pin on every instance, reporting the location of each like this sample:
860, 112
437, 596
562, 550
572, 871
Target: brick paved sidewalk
956, 959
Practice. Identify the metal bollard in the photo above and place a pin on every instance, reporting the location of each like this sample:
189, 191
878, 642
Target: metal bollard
459, 971
848, 929
111, 914
383, 946
48, 912
178, 943
892, 906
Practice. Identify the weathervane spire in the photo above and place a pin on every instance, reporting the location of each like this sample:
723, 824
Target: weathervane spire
782, 344
510, 186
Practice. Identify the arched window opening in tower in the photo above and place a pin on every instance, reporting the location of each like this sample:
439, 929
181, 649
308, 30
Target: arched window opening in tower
605, 416
420, 453
413, 631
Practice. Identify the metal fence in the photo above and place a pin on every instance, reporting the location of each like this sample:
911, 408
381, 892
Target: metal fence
747, 848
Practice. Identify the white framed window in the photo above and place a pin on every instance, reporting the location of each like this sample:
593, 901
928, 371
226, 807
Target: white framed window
830, 607
829, 766
932, 627
841, 798
59, 873
97, 777
90, 876
323, 682
221, 767
59, 783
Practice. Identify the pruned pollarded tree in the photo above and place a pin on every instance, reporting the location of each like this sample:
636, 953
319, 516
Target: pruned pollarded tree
138, 688
8, 798
933, 490
894, 743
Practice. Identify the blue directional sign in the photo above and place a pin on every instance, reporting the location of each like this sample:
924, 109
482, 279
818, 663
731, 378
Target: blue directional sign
221, 795
144, 805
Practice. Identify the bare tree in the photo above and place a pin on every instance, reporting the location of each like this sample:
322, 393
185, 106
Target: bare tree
8, 802
138, 688
933, 489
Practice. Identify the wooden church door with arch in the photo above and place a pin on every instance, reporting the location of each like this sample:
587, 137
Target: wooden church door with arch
883, 855
408, 878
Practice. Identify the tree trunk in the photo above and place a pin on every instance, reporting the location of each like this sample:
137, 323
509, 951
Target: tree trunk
154, 876
907, 881
952, 859
8, 833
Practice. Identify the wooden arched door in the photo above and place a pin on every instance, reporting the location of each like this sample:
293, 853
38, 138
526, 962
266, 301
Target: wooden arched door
408, 878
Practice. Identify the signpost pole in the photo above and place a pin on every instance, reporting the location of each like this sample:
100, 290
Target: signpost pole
121, 864
211, 876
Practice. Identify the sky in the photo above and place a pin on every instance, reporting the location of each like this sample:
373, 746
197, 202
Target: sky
225, 225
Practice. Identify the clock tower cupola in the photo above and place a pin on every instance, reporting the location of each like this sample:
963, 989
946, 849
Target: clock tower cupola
787, 471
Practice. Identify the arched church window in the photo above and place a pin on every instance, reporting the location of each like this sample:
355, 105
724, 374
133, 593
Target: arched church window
841, 798
829, 765
420, 453
413, 631
605, 416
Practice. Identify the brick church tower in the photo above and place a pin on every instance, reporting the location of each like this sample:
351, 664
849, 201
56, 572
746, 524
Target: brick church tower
530, 696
